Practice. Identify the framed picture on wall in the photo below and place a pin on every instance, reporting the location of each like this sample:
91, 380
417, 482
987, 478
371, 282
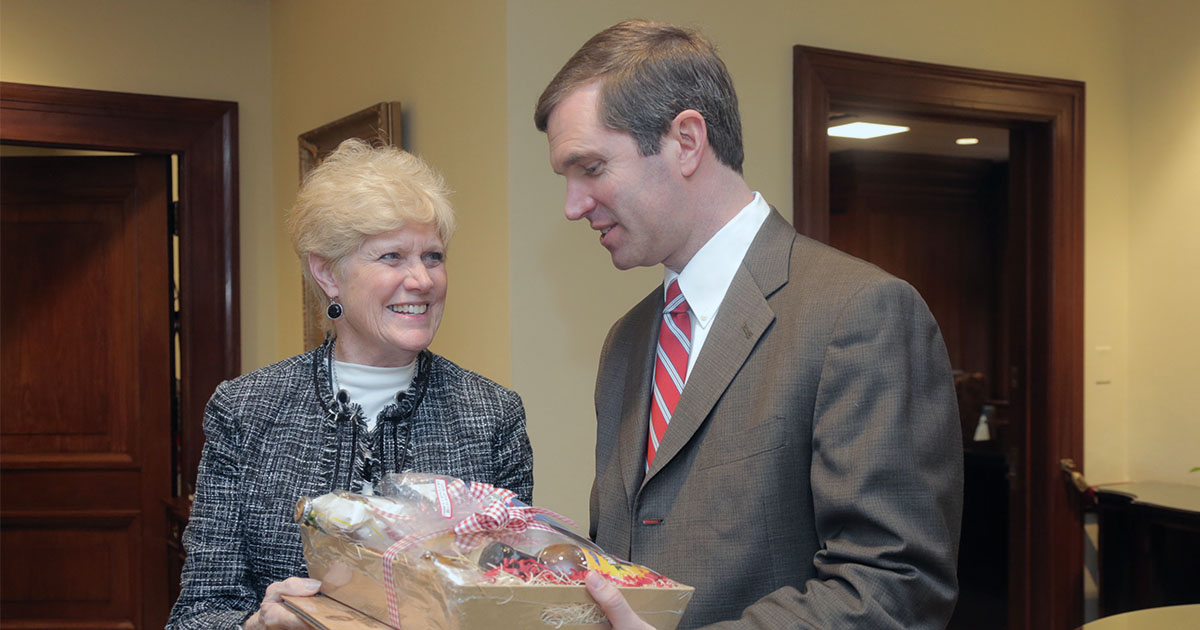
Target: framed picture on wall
378, 124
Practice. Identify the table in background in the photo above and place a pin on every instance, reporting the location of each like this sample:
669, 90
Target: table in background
1166, 618
1149, 545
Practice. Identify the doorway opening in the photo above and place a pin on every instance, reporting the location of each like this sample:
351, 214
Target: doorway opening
1007, 278
122, 524
930, 205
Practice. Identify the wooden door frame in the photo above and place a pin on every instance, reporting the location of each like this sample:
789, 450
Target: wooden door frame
1046, 548
203, 134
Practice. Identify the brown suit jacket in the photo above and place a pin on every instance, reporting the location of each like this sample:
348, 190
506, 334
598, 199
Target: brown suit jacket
811, 476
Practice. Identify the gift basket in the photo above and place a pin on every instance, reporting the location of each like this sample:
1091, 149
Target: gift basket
432, 552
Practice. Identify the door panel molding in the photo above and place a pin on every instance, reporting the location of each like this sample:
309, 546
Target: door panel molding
96, 567
203, 134
133, 449
88, 372
1046, 117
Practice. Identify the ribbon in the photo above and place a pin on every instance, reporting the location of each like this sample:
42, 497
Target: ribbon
388, 516
498, 519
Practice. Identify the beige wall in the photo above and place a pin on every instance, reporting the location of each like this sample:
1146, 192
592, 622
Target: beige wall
570, 294
291, 66
212, 50
1162, 417
443, 61
534, 314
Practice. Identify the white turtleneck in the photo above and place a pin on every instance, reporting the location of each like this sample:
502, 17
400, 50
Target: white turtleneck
370, 387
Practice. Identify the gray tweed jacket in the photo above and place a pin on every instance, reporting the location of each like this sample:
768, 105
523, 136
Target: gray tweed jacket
281, 433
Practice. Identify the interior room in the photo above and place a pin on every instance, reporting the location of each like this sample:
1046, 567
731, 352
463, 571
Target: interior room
532, 296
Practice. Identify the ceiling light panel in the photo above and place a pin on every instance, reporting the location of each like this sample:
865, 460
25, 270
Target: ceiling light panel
865, 130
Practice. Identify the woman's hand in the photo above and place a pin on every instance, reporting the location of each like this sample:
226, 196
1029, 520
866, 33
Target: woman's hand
610, 600
273, 614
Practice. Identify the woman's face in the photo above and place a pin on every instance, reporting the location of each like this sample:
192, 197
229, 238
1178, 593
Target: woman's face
393, 290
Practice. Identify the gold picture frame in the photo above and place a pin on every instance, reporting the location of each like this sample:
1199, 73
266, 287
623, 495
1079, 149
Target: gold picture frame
378, 124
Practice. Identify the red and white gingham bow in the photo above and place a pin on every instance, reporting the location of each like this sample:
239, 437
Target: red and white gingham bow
496, 521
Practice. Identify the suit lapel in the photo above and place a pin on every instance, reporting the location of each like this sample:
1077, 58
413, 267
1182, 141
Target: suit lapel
635, 409
742, 319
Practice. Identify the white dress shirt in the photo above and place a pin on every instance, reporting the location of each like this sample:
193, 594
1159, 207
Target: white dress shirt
707, 276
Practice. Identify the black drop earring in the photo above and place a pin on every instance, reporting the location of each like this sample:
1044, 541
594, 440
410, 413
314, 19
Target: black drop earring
334, 310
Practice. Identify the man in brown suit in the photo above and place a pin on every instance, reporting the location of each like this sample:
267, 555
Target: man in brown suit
810, 473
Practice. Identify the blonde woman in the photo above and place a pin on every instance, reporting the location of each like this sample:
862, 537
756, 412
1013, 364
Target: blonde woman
370, 226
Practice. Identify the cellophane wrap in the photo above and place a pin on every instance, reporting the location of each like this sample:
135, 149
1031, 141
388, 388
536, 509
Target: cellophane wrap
442, 544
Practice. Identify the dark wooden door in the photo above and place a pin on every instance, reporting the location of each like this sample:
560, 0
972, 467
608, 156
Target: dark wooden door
942, 223
85, 448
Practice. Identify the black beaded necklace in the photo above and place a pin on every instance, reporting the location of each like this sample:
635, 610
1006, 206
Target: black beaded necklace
340, 409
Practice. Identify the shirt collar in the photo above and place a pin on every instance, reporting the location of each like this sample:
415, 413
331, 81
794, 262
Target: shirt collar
707, 276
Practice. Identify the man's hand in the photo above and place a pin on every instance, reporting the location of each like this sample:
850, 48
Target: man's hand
610, 600
272, 614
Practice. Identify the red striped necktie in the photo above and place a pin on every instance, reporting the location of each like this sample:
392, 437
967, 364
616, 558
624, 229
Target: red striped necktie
670, 366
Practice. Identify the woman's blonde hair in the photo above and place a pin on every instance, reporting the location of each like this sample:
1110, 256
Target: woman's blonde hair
359, 191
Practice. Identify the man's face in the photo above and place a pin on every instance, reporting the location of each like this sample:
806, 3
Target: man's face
625, 196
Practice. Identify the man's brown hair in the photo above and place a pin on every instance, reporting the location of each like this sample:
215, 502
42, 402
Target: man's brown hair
648, 73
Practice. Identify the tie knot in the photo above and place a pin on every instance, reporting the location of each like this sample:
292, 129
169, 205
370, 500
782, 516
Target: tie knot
675, 301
